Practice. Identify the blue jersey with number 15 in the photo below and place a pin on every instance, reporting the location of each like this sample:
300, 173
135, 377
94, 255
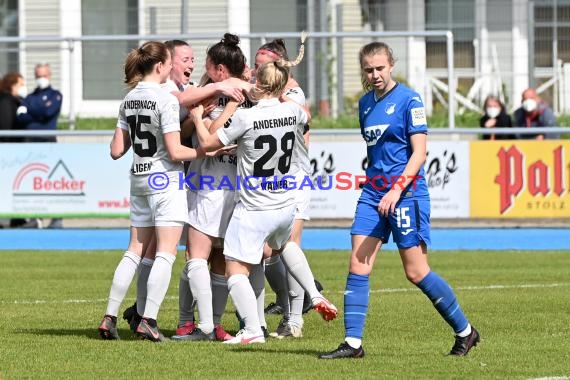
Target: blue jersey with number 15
386, 125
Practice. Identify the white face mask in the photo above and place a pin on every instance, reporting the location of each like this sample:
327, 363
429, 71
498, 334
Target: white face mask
42, 83
529, 105
22, 92
493, 112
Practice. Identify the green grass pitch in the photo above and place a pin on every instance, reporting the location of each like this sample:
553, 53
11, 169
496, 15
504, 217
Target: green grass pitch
52, 302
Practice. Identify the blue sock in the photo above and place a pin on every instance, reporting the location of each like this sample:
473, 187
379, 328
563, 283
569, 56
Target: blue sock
441, 295
356, 296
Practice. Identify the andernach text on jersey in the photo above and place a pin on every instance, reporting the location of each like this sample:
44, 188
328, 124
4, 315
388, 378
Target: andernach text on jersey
274, 123
140, 104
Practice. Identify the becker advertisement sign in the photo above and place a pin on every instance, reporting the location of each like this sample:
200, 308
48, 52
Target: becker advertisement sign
82, 180
522, 179
62, 180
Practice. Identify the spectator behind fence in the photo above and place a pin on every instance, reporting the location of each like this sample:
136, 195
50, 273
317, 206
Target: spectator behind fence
40, 111
535, 113
495, 117
12, 91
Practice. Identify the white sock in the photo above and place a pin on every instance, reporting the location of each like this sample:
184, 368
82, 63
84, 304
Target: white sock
298, 266
157, 284
122, 279
465, 332
185, 299
257, 281
276, 275
296, 299
142, 280
220, 294
353, 342
199, 276
244, 301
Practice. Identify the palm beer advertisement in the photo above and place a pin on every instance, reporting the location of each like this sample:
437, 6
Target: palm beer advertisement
520, 179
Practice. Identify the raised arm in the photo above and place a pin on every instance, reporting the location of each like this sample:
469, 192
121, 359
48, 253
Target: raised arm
208, 139
232, 87
228, 111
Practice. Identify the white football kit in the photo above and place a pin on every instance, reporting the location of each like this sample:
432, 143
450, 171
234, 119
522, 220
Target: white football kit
212, 204
301, 162
147, 113
265, 135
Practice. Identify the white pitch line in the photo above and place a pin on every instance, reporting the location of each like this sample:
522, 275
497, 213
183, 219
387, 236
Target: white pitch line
389, 290
60, 302
482, 287
550, 378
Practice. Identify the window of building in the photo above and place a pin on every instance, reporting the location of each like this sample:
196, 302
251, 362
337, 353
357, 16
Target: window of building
546, 21
291, 17
459, 17
9, 57
373, 13
103, 73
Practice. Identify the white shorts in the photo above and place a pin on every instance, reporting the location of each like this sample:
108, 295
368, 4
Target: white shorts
302, 197
191, 199
249, 230
165, 209
209, 211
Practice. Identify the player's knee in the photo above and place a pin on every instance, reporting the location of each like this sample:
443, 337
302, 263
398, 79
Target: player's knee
415, 275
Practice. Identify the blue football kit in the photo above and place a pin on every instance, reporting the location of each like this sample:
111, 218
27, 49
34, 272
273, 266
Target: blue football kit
386, 124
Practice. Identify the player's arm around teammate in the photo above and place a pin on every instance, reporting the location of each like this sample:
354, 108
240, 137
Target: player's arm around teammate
212, 206
263, 213
149, 115
288, 272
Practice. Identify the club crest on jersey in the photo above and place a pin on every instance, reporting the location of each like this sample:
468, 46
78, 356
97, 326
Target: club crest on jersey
373, 133
390, 108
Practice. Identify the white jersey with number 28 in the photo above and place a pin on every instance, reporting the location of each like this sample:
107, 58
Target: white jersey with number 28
265, 137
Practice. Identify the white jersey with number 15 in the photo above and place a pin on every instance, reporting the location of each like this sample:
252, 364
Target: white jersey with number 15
148, 112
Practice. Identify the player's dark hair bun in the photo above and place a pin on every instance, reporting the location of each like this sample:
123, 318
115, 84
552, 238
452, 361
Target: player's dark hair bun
280, 42
230, 39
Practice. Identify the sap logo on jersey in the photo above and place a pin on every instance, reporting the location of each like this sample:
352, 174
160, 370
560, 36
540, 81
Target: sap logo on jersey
373, 133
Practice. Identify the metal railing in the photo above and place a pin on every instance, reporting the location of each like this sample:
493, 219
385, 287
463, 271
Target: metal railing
315, 132
71, 42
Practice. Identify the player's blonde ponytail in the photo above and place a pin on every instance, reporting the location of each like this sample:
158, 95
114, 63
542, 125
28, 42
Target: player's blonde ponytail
300, 55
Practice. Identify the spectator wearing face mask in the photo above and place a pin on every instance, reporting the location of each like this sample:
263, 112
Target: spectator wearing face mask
495, 117
40, 109
12, 91
534, 113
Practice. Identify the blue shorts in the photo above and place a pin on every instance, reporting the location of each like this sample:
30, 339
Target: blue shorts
409, 224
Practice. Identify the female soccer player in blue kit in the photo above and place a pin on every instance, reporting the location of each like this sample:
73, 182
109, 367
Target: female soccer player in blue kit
395, 201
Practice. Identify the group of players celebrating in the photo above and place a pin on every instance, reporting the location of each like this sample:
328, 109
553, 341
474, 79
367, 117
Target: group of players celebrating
228, 234
234, 239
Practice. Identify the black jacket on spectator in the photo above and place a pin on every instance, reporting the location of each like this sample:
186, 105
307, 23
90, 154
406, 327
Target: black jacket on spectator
8, 121
503, 121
